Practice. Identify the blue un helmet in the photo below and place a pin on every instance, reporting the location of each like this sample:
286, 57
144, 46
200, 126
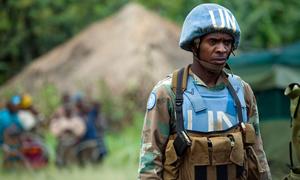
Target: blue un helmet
208, 18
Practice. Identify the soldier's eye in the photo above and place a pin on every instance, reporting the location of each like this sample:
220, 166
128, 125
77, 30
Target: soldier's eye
212, 41
227, 42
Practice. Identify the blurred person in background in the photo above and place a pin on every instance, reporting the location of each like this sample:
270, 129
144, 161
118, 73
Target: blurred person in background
65, 103
202, 122
10, 134
81, 106
34, 149
9, 116
68, 128
22, 146
29, 116
95, 132
91, 147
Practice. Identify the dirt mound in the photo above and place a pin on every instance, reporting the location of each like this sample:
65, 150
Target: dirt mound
135, 47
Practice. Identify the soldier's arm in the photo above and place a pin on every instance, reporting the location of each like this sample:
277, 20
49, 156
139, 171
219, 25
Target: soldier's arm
254, 120
155, 134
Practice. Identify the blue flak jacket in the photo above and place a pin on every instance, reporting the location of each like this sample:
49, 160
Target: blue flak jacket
206, 110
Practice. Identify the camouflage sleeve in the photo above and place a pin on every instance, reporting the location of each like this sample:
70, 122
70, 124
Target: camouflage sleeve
253, 118
155, 132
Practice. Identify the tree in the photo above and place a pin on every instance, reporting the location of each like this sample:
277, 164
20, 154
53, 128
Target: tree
29, 28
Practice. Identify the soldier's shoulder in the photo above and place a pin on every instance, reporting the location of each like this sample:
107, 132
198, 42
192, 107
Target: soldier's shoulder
239, 79
248, 92
164, 84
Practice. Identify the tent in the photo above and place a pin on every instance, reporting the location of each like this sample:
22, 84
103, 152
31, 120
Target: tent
269, 72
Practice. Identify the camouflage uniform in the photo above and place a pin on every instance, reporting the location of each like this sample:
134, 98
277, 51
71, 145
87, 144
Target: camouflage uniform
159, 124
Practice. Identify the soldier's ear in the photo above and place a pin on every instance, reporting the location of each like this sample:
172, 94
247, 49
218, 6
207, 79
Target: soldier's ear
195, 51
196, 46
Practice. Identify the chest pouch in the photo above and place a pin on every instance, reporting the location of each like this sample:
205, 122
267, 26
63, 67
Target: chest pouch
250, 135
217, 150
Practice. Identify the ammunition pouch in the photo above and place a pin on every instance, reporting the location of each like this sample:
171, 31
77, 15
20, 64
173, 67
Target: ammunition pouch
208, 153
171, 163
252, 167
217, 150
250, 136
181, 143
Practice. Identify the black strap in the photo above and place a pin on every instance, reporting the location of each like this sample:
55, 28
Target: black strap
222, 173
297, 109
179, 102
236, 100
291, 145
291, 155
200, 172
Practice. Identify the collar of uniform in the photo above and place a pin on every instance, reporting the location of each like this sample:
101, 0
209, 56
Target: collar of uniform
219, 85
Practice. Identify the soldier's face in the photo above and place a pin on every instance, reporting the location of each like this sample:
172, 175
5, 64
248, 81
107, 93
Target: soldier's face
215, 48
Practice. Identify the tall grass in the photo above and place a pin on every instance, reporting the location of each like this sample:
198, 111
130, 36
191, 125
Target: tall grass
123, 142
122, 139
121, 162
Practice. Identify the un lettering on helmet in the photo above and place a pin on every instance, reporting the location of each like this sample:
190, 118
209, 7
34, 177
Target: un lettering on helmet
230, 20
208, 18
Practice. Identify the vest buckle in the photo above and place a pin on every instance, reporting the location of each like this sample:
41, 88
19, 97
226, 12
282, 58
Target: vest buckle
178, 101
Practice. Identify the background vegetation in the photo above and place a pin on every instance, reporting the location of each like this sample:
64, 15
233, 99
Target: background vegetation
29, 28
123, 144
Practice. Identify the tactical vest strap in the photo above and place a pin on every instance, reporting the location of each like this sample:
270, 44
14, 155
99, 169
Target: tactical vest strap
179, 101
201, 172
220, 172
237, 102
184, 78
179, 83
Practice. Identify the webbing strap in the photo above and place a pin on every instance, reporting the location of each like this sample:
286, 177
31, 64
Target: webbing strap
184, 79
222, 173
297, 109
236, 100
179, 84
291, 155
219, 172
200, 172
179, 101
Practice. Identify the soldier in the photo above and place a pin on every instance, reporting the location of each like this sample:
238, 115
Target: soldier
293, 92
202, 122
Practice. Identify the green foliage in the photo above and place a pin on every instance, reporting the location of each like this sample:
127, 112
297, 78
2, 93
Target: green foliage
264, 24
29, 28
111, 105
47, 100
120, 110
124, 146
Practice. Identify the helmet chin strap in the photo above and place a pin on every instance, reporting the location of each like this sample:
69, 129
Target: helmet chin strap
209, 66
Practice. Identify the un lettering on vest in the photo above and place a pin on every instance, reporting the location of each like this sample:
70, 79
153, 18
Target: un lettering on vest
230, 20
216, 121
215, 125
